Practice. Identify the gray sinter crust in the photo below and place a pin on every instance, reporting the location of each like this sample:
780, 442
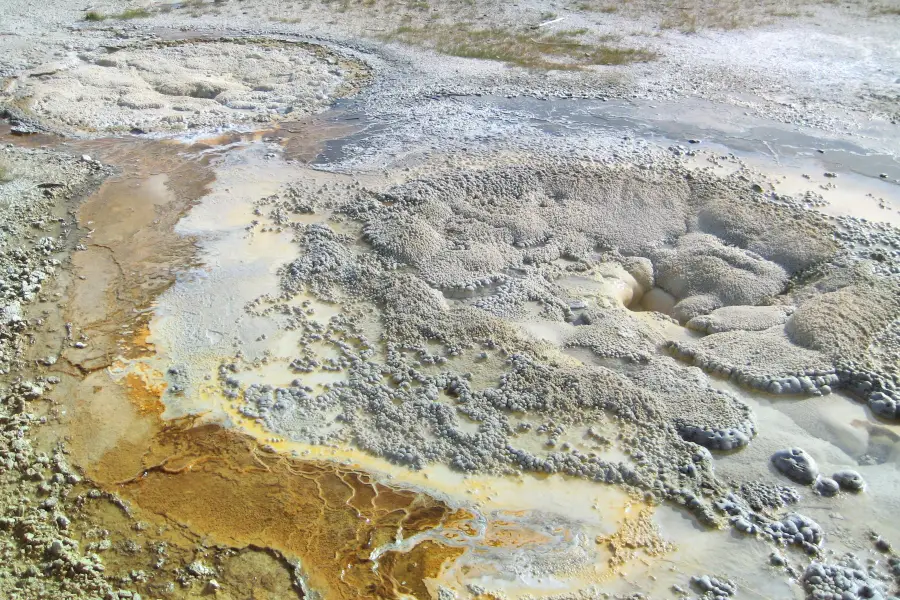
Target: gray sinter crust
453, 262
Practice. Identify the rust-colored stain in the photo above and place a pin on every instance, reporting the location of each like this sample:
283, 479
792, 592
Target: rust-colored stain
408, 572
637, 534
468, 529
146, 398
138, 346
507, 534
222, 484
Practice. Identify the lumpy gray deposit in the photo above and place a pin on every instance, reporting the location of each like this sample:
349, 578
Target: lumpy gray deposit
796, 464
459, 269
179, 85
847, 579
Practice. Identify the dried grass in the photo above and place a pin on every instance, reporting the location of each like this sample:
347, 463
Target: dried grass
531, 49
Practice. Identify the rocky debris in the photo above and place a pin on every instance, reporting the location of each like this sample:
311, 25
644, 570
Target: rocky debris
37, 556
34, 233
791, 529
199, 570
796, 465
713, 588
846, 579
40, 551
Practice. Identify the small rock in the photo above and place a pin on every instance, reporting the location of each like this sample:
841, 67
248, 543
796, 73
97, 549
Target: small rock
826, 486
796, 464
850, 481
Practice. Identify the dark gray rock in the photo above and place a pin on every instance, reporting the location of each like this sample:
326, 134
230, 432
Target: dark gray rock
850, 481
826, 486
796, 465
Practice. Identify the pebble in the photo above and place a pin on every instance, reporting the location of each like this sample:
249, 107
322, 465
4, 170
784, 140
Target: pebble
796, 465
850, 481
826, 486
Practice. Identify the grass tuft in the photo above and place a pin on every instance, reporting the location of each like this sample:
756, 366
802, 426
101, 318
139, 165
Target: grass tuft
133, 13
93, 15
559, 50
